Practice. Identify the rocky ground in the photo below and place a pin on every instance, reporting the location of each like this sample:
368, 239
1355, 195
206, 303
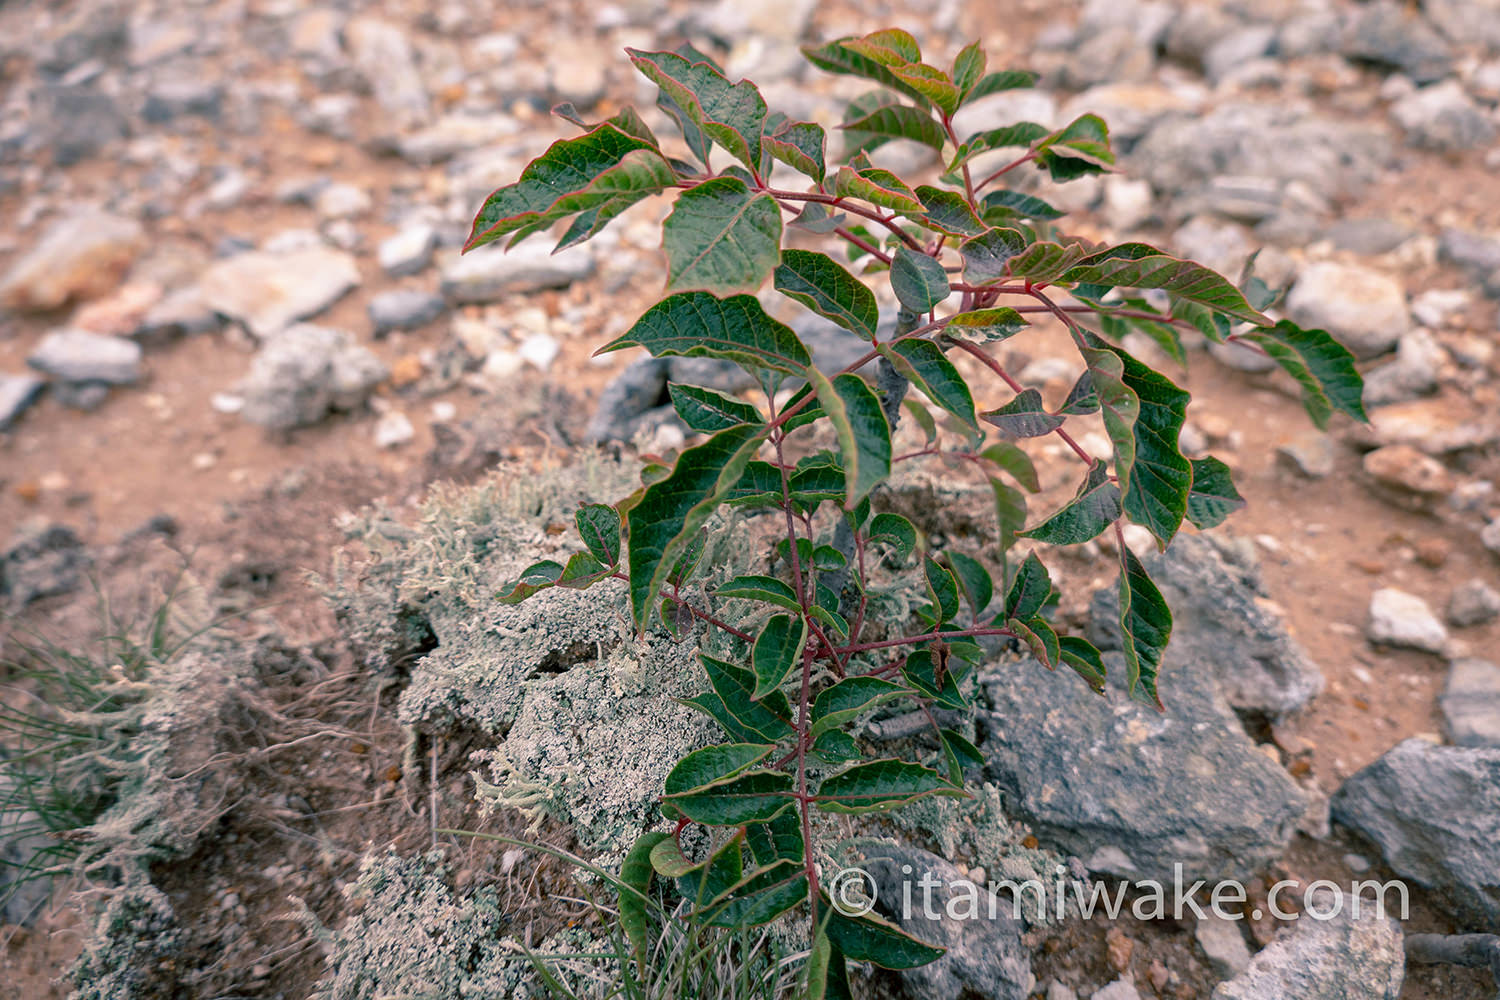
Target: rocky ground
234, 310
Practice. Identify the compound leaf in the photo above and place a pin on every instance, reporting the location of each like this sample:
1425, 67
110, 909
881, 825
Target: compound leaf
1138, 265
925, 364
599, 526
986, 255
1095, 507
708, 411
863, 433
1024, 416
776, 651
820, 283
878, 187
918, 280
897, 121
732, 114
1322, 366
1213, 497
986, 325
880, 785
1145, 626
698, 324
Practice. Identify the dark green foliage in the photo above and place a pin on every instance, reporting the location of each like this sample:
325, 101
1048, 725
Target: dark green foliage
810, 665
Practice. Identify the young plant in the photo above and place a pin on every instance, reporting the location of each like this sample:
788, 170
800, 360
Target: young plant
969, 262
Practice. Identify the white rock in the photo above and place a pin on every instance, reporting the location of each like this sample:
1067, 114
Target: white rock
1436, 306
270, 291
1489, 536
1127, 202
488, 274
382, 53
539, 350
342, 201
1223, 943
1401, 619
409, 251
1120, 989
1362, 308
16, 393
80, 356
81, 256
393, 428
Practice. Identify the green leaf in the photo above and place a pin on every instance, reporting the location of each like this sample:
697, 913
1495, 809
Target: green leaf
1010, 512
931, 82
895, 530
537, 576
942, 588
760, 588
986, 255
635, 877
1019, 135
864, 435
573, 175
870, 938
1009, 457
749, 798
671, 511
761, 897
721, 238
1213, 497
924, 363
718, 874
947, 212
733, 115
986, 325
879, 785
836, 747
896, 121
776, 651
927, 670
878, 187
1145, 625
583, 571
1080, 654
1011, 79
697, 324
1160, 477
714, 764
830, 619
968, 68
1040, 637
1003, 206
819, 962
801, 146
1161, 332
1137, 265
1046, 262
849, 699
1024, 416
960, 754
1029, 590
1082, 147
599, 526
1322, 366
842, 56
1118, 404
825, 287
768, 718
1095, 507
973, 579
918, 280
1082, 399
779, 839
708, 411
922, 416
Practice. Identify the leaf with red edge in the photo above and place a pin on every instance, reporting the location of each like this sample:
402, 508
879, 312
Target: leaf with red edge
732, 114
878, 187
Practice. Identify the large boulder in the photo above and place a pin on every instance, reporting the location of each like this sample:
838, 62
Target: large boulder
1134, 792
1434, 812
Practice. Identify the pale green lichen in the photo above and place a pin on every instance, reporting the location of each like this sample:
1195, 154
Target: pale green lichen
129, 952
413, 936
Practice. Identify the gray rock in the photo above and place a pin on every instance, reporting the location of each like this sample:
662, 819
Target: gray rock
79, 256
1120, 989
383, 55
1237, 48
1182, 154
1471, 703
1247, 199
1434, 812
22, 896
1466, 22
1473, 603
1109, 55
78, 121
1241, 357
180, 96
1474, 252
1364, 309
1387, 35
330, 114
1489, 536
182, 313
1443, 118
305, 372
1223, 626
100, 35
1136, 793
1195, 30
1336, 959
1214, 243
1060, 991
454, 134
269, 291
1223, 942
405, 309
85, 396
341, 201
1413, 373
409, 251
1307, 32
1368, 236
81, 356
1401, 619
1311, 453
985, 955
17, 392
41, 560
639, 389
489, 274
